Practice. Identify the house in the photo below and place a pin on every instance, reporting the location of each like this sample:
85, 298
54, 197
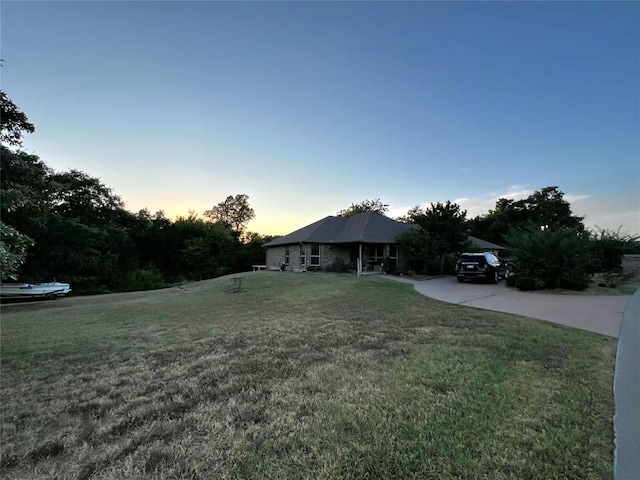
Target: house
368, 237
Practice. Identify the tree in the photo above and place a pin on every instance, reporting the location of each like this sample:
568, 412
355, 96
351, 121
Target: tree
545, 208
375, 206
13, 243
251, 252
201, 249
82, 235
13, 123
444, 225
416, 247
78, 194
548, 209
24, 182
13, 250
234, 212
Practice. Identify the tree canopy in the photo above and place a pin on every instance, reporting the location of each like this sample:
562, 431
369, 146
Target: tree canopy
13, 122
234, 212
375, 206
15, 165
544, 209
72, 227
443, 230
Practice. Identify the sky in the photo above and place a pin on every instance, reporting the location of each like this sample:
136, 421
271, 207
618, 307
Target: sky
309, 107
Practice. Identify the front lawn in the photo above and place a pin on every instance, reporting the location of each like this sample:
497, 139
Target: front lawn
309, 375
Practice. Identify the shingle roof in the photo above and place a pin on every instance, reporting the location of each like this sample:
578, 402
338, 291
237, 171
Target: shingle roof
478, 242
367, 227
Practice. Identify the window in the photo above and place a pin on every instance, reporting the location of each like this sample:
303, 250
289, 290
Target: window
314, 259
286, 255
376, 252
393, 251
303, 255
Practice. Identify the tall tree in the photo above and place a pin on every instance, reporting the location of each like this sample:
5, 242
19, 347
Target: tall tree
544, 209
365, 206
13, 122
443, 228
201, 249
13, 243
548, 209
84, 235
13, 251
24, 196
234, 212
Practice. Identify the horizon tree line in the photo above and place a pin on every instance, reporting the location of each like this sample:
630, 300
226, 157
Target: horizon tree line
71, 226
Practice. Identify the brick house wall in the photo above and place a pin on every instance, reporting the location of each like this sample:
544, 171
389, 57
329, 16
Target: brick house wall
275, 257
328, 254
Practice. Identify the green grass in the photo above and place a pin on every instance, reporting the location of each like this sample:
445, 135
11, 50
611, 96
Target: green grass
299, 376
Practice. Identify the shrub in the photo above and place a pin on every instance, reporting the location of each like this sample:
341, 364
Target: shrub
143, 279
511, 280
612, 279
390, 266
339, 265
554, 257
416, 250
527, 283
607, 248
578, 283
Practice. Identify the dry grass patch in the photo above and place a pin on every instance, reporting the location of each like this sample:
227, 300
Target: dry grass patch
298, 376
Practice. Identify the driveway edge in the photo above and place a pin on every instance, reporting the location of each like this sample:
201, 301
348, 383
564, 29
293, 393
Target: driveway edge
626, 392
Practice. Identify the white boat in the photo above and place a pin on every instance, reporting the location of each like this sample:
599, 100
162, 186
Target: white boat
33, 290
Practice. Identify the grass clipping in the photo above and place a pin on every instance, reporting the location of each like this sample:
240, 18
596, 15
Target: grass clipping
299, 376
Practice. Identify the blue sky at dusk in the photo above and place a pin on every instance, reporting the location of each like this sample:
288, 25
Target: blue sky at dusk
308, 107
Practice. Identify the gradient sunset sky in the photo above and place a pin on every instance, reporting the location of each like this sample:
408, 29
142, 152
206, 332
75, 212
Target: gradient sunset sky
308, 107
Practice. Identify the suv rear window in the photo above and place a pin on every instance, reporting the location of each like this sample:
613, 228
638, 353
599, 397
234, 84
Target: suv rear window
471, 258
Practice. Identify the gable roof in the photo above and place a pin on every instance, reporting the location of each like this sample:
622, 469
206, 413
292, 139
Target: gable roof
367, 227
478, 242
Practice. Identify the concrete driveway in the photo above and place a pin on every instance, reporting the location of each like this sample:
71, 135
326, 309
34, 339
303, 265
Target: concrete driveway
599, 314
616, 316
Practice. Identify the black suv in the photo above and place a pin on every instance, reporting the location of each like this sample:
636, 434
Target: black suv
484, 266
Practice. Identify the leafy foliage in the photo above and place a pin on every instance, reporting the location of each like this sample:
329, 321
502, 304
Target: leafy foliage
234, 212
375, 206
443, 230
526, 284
13, 243
13, 122
390, 266
545, 208
607, 249
71, 226
552, 258
200, 247
13, 250
415, 245
339, 265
